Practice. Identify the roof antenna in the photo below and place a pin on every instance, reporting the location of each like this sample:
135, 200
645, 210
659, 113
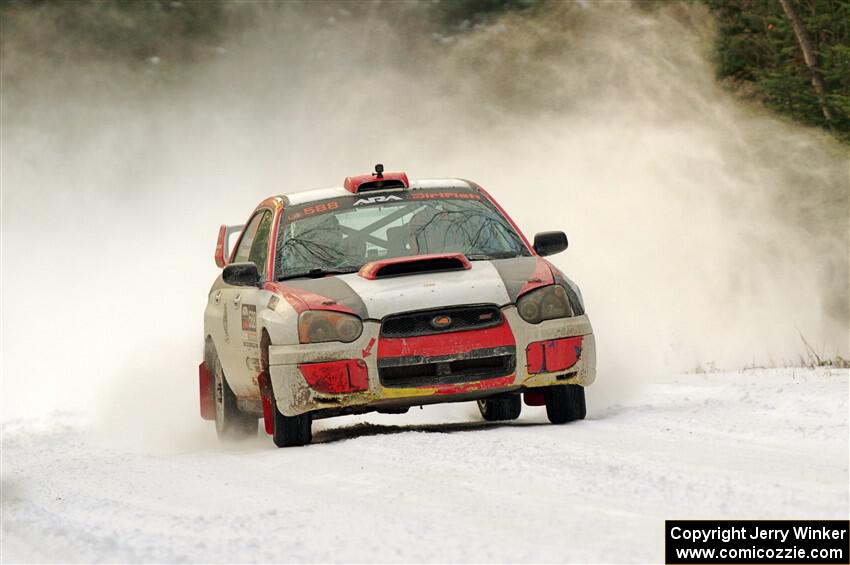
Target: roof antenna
379, 171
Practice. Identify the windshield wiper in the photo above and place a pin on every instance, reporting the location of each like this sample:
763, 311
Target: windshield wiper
489, 256
319, 272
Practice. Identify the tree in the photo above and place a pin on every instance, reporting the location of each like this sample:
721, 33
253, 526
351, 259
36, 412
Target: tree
793, 56
808, 55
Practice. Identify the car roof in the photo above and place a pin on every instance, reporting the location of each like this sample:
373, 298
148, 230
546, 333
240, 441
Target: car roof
307, 196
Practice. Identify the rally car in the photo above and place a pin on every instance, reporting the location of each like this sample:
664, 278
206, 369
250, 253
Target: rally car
384, 294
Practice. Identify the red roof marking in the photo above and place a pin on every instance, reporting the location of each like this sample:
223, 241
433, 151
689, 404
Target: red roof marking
278, 211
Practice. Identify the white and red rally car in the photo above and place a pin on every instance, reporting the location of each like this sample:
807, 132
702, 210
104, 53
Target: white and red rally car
384, 294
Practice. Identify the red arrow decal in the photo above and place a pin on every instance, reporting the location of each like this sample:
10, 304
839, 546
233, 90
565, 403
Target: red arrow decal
368, 351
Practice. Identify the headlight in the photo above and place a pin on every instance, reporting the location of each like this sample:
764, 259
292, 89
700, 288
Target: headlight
316, 326
545, 303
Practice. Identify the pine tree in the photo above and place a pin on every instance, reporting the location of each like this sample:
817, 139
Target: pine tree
793, 55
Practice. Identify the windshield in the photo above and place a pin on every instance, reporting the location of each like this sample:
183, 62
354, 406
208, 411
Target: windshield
342, 234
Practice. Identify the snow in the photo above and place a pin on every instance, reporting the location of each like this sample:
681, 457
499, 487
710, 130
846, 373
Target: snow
439, 484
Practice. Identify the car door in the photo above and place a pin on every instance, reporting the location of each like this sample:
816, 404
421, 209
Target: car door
244, 303
230, 298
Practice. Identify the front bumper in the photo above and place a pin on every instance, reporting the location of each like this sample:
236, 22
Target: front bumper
294, 396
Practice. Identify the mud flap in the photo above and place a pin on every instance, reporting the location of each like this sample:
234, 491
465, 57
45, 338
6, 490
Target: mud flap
205, 381
534, 398
267, 397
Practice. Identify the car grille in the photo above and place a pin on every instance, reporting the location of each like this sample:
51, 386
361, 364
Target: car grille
475, 366
463, 318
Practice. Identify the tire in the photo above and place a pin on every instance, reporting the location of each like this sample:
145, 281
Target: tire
230, 422
565, 403
291, 431
500, 408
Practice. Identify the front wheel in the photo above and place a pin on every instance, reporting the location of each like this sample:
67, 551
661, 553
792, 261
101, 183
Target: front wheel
565, 403
230, 422
500, 408
291, 431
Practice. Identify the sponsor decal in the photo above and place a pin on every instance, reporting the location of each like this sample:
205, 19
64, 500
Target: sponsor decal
377, 200
250, 344
252, 363
444, 195
224, 322
348, 202
320, 208
273, 301
249, 318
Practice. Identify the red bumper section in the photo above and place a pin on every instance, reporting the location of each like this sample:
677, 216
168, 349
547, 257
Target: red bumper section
351, 375
336, 377
553, 354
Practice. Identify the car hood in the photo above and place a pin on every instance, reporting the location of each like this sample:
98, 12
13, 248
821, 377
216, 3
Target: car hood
492, 282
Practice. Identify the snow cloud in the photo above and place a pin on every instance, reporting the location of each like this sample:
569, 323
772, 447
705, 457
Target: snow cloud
702, 230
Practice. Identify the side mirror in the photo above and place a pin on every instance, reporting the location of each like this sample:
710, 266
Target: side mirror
241, 274
550, 242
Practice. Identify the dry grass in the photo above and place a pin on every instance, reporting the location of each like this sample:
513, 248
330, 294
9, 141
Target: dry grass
814, 358
811, 358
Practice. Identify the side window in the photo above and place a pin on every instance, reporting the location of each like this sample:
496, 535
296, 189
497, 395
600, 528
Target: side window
259, 254
243, 250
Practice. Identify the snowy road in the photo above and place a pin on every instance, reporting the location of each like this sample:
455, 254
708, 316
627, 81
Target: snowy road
761, 444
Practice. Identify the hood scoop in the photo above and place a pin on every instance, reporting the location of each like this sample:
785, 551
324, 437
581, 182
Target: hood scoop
414, 265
